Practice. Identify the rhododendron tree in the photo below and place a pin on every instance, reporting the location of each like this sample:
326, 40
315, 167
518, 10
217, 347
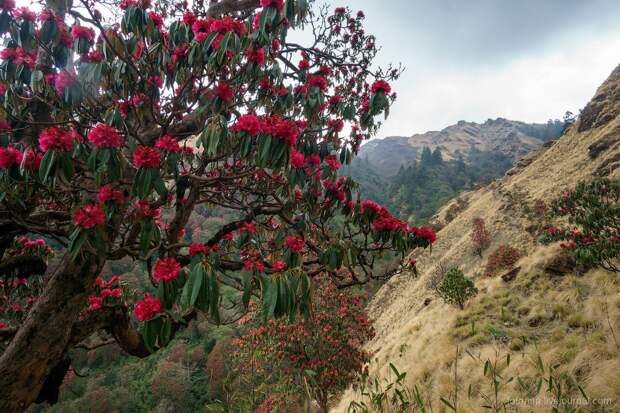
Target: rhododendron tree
113, 132
323, 353
590, 230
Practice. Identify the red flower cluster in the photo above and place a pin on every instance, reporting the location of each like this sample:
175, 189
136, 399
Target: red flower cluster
198, 249
19, 56
317, 81
286, 130
295, 244
107, 194
256, 55
143, 4
88, 217
202, 28
81, 32
249, 124
166, 270
278, 4
381, 85
147, 308
142, 209
426, 233
146, 157
108, 289
56, 138
167, 143
64, 80
104, 136
223, 91
298, 159
279, 265
10, 156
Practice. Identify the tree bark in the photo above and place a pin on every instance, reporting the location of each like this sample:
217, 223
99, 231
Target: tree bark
42, 341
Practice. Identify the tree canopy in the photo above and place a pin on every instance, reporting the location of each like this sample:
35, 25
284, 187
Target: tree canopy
118, 123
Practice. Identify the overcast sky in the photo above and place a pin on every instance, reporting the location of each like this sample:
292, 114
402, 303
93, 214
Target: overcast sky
528, 60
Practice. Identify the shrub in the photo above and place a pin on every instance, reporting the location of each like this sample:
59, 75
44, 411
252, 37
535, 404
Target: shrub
503, 257
456, 288
480, 237
592, 235
317, 357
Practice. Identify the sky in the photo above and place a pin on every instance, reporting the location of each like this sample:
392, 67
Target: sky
527, 60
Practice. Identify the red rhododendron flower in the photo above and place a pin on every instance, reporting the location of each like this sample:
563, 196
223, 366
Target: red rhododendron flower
80, 32
317, 81
278, 4
148, 307
55, 138
10, 156
337, 125
249, 124
425, 233
189, 18
256, 55
143, 210
297, 159
107, 194
381, 85
166, 269
281, 128
223, 91
340, 10
198, 249
95, 303
167, 143
332, 162
146, 157
104, 136
64, 80
295, 244
158, 21
88, 217
279, 265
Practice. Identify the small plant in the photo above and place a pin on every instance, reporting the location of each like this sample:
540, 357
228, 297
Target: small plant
502, 258
593, 232
480, 236
456, 288
388, 396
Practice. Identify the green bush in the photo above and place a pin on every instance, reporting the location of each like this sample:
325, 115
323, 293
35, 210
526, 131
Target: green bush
592, 235
456, 288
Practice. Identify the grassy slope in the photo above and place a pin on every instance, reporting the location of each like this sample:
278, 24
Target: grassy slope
570, 319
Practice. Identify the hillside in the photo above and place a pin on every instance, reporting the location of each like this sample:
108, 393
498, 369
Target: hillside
539, 308
512, 139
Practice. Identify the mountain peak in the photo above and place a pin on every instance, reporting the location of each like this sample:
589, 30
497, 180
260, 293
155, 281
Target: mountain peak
502, 136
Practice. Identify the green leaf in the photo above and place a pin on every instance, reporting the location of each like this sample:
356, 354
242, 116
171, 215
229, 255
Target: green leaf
198, 276
270, 297
47, 164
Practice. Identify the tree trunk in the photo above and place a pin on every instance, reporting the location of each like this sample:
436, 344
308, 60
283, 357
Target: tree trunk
42, 341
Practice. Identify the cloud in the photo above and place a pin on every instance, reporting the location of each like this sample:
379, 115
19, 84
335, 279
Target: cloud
527, 60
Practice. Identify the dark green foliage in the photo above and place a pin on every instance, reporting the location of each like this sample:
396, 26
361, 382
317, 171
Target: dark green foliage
593, 232
455, 288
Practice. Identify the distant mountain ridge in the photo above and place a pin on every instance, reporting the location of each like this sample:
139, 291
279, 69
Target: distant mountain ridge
513, 139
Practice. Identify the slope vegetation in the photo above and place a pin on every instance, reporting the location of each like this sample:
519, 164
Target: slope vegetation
540, 306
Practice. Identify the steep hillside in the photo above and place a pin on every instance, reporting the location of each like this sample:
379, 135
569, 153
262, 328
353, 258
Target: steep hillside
510, 138
536, 309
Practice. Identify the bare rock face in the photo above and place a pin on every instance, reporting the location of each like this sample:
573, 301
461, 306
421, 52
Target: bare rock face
603, 107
